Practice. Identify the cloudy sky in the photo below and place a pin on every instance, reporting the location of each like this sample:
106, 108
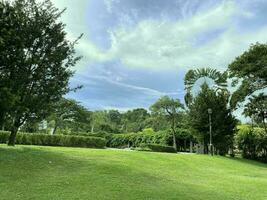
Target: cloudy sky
135, 51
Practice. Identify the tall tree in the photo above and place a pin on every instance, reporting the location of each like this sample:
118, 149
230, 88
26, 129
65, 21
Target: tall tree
223, 123
250, 69
171, 110
35, 58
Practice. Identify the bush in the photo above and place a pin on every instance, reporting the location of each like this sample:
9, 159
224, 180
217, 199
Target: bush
102, 134
158, 148
55, 140
252, 143
4, 136
135, 139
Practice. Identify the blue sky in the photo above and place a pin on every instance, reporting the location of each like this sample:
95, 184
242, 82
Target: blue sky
135, 51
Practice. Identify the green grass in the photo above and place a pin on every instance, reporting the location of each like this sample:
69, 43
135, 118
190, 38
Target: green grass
52, 173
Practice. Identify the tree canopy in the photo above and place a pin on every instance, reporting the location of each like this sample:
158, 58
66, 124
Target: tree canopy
256, 109
192, 76
35, 59
170, 109
223, 122
250, 69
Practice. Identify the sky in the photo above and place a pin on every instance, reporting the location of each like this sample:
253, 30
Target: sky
135, 51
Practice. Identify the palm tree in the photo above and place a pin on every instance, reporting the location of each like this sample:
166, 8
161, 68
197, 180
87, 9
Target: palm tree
192, 76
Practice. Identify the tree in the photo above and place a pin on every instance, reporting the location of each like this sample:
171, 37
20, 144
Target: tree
98, 119
256, 109
35, 59
7, 99
251, 70
69, 112
192, 76
157, 122
223, 123
115, 120
134, 120
170, 109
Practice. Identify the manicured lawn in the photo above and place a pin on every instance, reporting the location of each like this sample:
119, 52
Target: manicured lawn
51, 173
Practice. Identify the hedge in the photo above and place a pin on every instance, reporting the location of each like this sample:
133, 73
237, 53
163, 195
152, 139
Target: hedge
104, 135
55, 140
158, 148
135, 139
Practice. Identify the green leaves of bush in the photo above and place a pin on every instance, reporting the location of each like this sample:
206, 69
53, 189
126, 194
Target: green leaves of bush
135, 139
252, 143
158, 148
55, 140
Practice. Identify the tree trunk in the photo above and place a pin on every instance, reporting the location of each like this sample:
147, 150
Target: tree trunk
184, 145
92, 128
174, 141
173, 135
12, 137
2, 119
191, 146
264, 124
55, 129
14, 129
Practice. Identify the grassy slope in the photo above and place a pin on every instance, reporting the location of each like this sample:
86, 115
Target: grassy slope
73, 173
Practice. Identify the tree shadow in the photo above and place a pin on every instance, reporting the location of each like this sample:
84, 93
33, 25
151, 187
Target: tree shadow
249, 162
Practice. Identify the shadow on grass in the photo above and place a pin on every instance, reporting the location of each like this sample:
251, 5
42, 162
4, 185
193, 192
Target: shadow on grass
249, 162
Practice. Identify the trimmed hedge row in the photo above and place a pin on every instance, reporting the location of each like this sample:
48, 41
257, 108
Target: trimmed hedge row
55, 140
104, 135
135, 139
158, 148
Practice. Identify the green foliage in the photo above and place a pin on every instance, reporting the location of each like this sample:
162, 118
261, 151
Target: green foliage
36, 59
223, 123
251, 69
192, 76
135, 139
158, 148
105, 135
55, 140
252, 143
171, 110
68, 113
135, 120
256, 109
4, 135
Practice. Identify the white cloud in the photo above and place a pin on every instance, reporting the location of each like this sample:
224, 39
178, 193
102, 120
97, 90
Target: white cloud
109, 4
161, 44
165, 44
173, 44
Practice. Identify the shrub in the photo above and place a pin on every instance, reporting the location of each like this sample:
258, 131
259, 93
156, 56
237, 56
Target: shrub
104, 135
4, 136
55, 140
252, 143
158, 148
135, 139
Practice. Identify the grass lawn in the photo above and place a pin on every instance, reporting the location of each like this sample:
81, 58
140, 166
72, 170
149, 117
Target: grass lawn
30, 172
